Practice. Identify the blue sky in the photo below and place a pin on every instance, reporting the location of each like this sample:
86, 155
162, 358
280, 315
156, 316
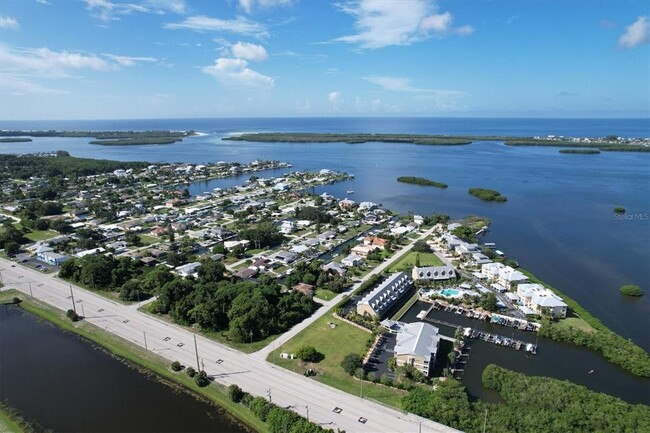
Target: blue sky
95, 59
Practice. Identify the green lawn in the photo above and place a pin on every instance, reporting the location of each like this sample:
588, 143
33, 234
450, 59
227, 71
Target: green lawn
334, 344
407, 261
149, 360
148, 239
325, 294
40, 235
575, 322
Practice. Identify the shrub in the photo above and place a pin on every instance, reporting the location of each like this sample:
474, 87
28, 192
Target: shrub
191, 372
202, 379
176, 366
309, 354
351, 363
235, 393
72, 315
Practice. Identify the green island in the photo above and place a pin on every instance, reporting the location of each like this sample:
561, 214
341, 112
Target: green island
609, 143
421, 181
15, 140
631, 290
487, 194
580, 151
105, 138
619, 210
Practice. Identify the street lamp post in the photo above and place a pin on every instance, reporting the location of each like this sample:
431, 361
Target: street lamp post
30, 290
145, 340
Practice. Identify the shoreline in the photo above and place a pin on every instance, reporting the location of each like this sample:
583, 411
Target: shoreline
135, 357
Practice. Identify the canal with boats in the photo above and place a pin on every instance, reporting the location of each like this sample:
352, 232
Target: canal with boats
553, 359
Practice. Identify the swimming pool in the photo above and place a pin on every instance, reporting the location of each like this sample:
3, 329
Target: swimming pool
449, 292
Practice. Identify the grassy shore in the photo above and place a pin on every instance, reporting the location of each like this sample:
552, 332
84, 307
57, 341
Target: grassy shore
335, 343
127, 351
7, 424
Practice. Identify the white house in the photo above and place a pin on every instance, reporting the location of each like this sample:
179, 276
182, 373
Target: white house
417, 346
351, 260
434, 273
540, 299
380, 299
52, 258
187, 270
287, 227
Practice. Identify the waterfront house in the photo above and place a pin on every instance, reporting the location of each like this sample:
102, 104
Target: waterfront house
246, 273
375, 241
433, 273
334, 267
417, 346
285, 257
510, 277
351, 260
379, 300
541, 300
362, 250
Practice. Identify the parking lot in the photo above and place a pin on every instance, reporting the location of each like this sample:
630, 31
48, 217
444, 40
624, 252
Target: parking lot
378, 361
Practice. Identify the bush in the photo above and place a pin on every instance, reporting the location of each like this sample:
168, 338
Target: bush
202, 379
309, 354
631, 290
176, 366
72, 315
235, 393
260, 407
351, 363
16, 300
191, 372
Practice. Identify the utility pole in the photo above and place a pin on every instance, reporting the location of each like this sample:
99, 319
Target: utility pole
361, 379
145, 340
196, 350
30, 290
307, 412
268, 394
74, 307
83, 313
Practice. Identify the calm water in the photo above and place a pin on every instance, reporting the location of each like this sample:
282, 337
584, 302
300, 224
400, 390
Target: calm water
66, 384
558, 221
554, 359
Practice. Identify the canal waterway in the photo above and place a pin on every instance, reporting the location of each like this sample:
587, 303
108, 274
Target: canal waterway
553, 359
66, 384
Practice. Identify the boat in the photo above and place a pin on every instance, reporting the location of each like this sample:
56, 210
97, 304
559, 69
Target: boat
350, 191
590, 372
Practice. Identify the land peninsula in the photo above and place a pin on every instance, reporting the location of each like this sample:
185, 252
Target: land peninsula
104, 138
487, 194
609, 143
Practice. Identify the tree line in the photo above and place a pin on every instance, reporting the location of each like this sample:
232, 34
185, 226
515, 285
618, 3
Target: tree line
531, 404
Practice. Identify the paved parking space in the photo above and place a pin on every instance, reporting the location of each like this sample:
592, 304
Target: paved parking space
378, 361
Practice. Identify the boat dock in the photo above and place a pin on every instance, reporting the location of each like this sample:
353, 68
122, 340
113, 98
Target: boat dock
470, 333
498, 319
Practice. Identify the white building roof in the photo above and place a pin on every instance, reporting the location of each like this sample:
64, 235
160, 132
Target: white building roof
417, 339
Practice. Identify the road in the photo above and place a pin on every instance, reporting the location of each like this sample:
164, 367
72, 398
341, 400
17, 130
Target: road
227, 366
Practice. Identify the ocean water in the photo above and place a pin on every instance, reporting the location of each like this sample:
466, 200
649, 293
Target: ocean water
558, 221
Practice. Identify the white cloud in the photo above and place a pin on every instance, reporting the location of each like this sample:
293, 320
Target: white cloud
130, 61
382, 23
18, 85
45, 62
635, 34
239, 25
43, 2
399, 84
334, 97
252, 52
236, 72
107, 10
9, 23
247, 5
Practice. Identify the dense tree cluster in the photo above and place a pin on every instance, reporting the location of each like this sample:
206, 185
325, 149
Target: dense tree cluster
62, 165
311, 273
262, 235
614, 348
421, 247
532, 404
313, 214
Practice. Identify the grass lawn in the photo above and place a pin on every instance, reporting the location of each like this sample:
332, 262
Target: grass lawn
334, 344
325, 294
148, 360
40, 235
575, 322
148, 239
407, 261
